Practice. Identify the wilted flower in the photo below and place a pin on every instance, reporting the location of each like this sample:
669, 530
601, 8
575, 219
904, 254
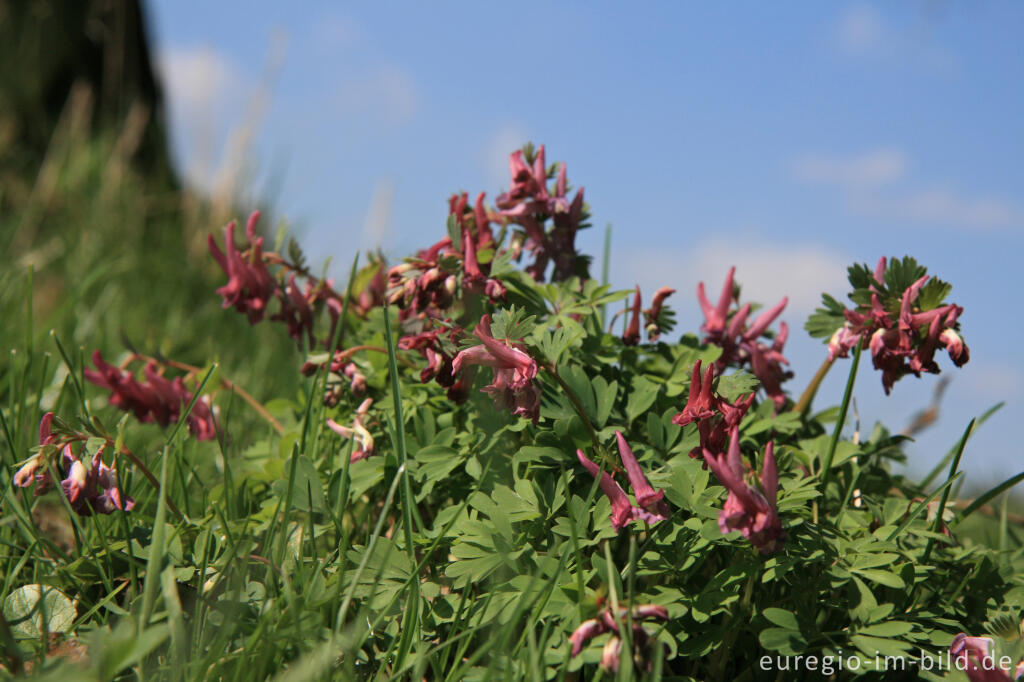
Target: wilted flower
751, 511
740, 343
652, 506
250, 286
607, 622
514, 371
358, 433
155, 400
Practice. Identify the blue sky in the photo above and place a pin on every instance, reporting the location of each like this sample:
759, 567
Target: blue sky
787, 140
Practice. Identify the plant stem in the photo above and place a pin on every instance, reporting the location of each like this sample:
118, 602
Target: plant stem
804, 404
841, 419
225, 383
577, 405
152, 479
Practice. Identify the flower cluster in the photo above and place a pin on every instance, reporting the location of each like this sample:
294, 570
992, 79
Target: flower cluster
439, 350
154, 400
512, 387
901, 332
752, 512
640, 641
250, 286
528, 203
92, 489
475, 276
357, 433
426, 283
652, 506
714, 415
741, 343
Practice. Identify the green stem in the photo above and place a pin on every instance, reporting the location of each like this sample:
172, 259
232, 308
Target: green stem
841, 419
577, 405
804, 404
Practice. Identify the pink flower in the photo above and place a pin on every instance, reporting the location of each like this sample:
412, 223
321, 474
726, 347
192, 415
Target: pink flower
250, 286
974, 655
714, 415
512, 387
607, 622
364, 446
902, 342
652, 507
156, 400
652, 316
741, 344
529, 204
751, 511
631, 337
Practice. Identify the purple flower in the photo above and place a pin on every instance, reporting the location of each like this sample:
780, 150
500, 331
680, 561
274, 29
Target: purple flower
512, 387
974, 655
607, 622
652, 316
741, 344
751, 511
714, 415
250, 286
529, 204
92, 490
156, 400
652, 507
631, 337
902, 342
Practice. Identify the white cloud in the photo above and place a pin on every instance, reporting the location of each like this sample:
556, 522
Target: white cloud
387, 97
946, 207
204, 90
863, 33
767, 271
199, 83
872, 185
874, 168
859, 30
506, 140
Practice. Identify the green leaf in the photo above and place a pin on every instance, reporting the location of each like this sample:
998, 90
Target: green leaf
782, 618
642, 394
734, 386
783, 640
892, 628
34, 609
605, 394
881, 577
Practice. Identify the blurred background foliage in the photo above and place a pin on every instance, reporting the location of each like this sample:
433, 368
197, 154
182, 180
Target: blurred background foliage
99, 240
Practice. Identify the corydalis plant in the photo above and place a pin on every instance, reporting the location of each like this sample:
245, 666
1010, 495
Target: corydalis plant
92, 488
742, 343
156, 399
900, 313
